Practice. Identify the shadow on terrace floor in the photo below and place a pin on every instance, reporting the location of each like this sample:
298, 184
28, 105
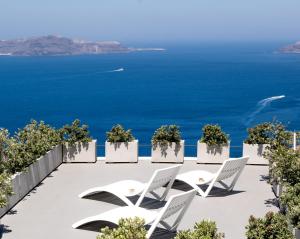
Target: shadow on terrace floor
215, 192
159, 233
148, 203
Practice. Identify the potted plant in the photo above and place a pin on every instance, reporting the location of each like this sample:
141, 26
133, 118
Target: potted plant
29, 156
257, 142
167, 145
120, 146
78, 147
213, 147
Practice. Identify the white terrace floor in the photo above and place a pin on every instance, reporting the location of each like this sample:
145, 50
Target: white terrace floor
49, 210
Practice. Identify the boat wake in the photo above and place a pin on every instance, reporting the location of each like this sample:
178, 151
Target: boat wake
260, 106
117, 70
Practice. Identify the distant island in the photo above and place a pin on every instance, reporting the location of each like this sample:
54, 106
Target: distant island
294, 48
62, 46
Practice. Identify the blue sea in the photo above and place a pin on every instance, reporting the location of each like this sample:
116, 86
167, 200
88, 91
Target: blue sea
233, 85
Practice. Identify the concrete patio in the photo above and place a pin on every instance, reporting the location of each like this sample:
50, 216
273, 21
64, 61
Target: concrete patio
50, 209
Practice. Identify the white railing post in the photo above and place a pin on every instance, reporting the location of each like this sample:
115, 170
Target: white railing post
295, 141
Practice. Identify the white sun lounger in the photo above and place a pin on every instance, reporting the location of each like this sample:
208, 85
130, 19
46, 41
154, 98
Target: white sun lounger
231, 167
129, 188
177, 204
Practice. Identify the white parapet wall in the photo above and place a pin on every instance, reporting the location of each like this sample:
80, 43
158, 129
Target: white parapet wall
24, 182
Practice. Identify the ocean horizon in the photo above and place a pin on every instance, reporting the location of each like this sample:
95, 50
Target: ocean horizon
234, 85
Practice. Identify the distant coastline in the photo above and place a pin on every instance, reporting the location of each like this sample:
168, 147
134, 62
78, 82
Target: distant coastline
5, 54
293, 48
62, 46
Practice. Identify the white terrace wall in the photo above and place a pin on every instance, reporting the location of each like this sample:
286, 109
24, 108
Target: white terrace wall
24, 182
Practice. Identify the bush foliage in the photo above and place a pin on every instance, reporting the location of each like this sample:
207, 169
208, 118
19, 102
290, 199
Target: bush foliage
134, 228
5, 188
165, 135
129, 228
268, 133
214, 136
285, 165
75, 133
291, 199
119, 134
284, 169
260, 134
202, 230
273, 225
29, 144
34, 141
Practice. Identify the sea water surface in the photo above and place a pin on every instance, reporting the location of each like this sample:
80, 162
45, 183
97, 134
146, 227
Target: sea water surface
233, 85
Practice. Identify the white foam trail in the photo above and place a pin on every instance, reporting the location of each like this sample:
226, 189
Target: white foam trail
267, 101
117, 70
261, 105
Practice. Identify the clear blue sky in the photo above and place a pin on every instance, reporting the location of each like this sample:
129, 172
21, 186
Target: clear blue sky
153, 20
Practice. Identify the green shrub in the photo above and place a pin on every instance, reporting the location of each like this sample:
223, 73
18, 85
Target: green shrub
5, 141
30, 143
130, 228
75, 133
291, 199
259, 134
5, 189
34, 141
165, 135
272, 226
281, 158
119, 134
273, 133
202, 230
213, 136
285, 165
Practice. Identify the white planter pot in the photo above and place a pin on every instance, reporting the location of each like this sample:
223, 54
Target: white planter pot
24, 182
297, 233
212, 154
80, 152
121, 152
256, 153
173, 153
275, 187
